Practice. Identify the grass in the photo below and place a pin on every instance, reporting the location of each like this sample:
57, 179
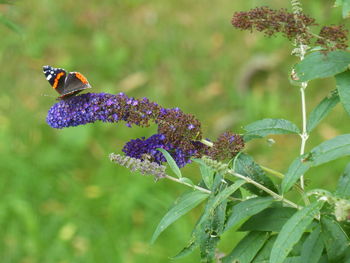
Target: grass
61, 198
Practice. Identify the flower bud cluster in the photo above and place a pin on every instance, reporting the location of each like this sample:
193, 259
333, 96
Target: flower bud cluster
270, 22
145, 167
294, 26
226, 146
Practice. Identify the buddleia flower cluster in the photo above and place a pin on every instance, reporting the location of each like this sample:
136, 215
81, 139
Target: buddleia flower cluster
292, 26
178, 133
145, 167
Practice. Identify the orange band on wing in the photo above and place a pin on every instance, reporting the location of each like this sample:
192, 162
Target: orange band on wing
55, 83
81, 77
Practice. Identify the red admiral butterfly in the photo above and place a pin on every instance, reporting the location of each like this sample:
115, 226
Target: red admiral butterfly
65, 84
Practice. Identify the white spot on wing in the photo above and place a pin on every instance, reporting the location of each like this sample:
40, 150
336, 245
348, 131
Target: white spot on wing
49, 77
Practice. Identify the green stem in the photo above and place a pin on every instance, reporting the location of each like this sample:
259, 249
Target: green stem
177, 180
265, 189
297, 9
273, 172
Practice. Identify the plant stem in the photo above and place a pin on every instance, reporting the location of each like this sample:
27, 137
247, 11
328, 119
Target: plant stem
273, 172
296, 5
304, 135
281, 176
265, 189
195, 186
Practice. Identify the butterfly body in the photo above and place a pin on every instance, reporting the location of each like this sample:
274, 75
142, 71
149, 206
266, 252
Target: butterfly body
65, 83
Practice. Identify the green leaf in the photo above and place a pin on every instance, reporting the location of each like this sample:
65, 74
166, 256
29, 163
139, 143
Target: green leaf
186, 180
319, 65
343, 86
171, 162
331, 150
292, 231
295, 170
270, 219
246, 209
245, 165
211, 231
288, 260
265, 127
211, 224
182, 206
264, 254
312, 247
321, 111
343, 188
335, 239
186, 250
224, 194
206, 172
323, 153
247, 248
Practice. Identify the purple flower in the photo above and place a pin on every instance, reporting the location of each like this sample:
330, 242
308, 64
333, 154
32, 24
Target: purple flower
91, 107
178, 133
147, 149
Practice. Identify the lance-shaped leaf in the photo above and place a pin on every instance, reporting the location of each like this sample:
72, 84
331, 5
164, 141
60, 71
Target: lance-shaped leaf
206, 172
246, 209
319, 65
313, 247
343, 86
244, 164
224, 194
247, 248
298, 167
270, 219
182, 206
335, 239
263, 255
265, 127
171, 162
292, 231
210, 232
323, 153
343, 188
212, 219
332, 149
321, 111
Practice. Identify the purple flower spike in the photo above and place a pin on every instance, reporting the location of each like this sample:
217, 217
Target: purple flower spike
91, 107
146, 149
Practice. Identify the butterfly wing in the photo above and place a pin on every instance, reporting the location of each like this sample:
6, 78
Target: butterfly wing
56, 77
75, 82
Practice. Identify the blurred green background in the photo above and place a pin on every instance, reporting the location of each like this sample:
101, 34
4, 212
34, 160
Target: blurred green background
61, 199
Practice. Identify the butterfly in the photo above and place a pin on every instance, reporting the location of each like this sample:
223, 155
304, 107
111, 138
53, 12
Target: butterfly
66, 84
